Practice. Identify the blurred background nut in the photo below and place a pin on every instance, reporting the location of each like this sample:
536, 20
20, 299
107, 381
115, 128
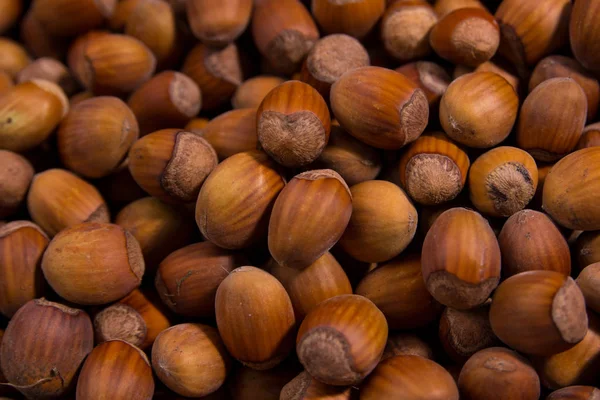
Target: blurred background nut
10, 10
16, 174
252, 91
72, 17
52, 70
430, 77
354, 18
217, 22
14, 57
231, 132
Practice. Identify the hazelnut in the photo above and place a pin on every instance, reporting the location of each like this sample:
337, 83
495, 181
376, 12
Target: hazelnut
354, 160
323, 279
251, 92
570, 188
552, 119
530, 241
22, 245
590, 137
119, 188
249, 384
95, 136
10, 11
575, 393
405, 29
433, 169
305, 387
293, 124
218, 23
539, 312
445, 7
330, 58
466, 36
255, 317
430, 77
576, 366
6, 81
284, 32
589, 283
52, 70
380, 107
231, 132
465, 332
38, 41
461, 259
217, 72
308, 217
58, 199
191, 359
14, 57
398, 290
479, 109
409, 377
172, 164
584, 33
79, 97
98, 379
355, 18
93, 263
342, 339
43, 347
502, 181
72, 17
407, 344
197, 124
170, 99
123, 9
187, 280
95, 57
497, 374
235, 202
504, 70
587, 248
16, 174
29, 112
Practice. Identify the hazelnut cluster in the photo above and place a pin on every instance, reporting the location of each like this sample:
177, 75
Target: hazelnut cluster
299, 199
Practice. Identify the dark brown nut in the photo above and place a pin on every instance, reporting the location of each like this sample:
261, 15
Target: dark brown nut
235, 202
172, 164
10, 10
466, 36
191, 359
409, 377
255, 318
497, 374
461, 259
93, 263
6, 81
119, 188
232, 132
430, 77
187, 280
539, 312
552, 119
590, 137
16, 174
217, 72
323, 279
218, 22
530, 241
305, 387
98, 379
251, 92
249, 384
479, 109
284, 32
22, 245
433, 169
406, 344
398, 290
293, 124
170, 99
355, 18
43, 347
58, 199
37, 40
72, 17
52, 70
341, 341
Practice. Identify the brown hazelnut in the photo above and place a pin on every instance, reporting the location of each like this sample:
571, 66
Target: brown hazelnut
587, 248
232, 132
197, 124
409, 377
10, 10
119, 188
305, 387
308, 217
398, 290
323, 279
187, 280
255, 317
72, 17
575, 393
355, 18
250, 384
170, 99
172, 164
497, 374
530, 241
433, 169
6, 81
341, 340
539, 312
502, 69
584, 33
399, 344
479, 109
445, 7
191, 359
93, 263
293, 124
123, 10
380, 107
589, 283
14, 57
159, 228
16, 174
502, 181
590, 137
235, 202
58, 199
430, 77
52, 70
251, 92
461, 259
38, 41
218, 22
43, 347
98, 379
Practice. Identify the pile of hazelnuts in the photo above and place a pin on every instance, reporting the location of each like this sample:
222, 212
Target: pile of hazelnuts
299, 199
